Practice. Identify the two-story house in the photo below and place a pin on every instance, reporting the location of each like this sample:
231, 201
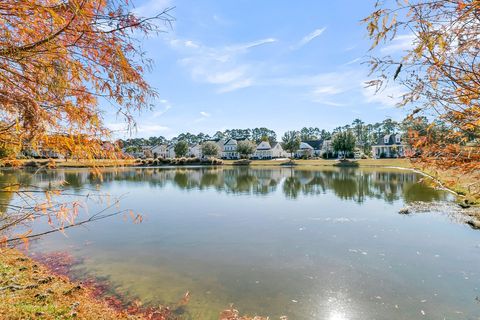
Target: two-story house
389, 146
160, 151
230, 150
305, 150
195, 150
267, 150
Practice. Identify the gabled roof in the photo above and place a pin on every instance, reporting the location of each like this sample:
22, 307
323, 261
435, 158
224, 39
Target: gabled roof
264, 145
274, 144
231, 141
304, 145
315, 144
390, 138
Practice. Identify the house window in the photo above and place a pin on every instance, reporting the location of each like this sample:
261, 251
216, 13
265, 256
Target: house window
385, 140
398, 139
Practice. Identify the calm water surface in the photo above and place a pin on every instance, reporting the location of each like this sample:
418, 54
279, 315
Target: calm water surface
309, 244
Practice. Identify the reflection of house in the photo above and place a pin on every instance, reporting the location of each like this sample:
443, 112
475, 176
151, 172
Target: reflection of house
159, 150
389, 146
305, 150
267, 150
230, 150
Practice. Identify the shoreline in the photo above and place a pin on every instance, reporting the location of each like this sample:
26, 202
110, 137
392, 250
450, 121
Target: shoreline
30, 289
40, 286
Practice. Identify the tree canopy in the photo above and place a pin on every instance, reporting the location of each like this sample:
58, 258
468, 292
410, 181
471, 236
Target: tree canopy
210, 149
344, 142
438, 73
58, 59
246, 148
181, 148
291, 141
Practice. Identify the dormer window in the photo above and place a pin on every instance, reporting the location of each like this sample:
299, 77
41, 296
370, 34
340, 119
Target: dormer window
397, 139
385, 139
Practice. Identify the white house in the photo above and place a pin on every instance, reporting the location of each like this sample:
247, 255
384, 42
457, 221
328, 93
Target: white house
160, 151
389, 146
326, 147
305, 150
195, 150
316, 145
171, 151
230, 150
267, 150
221, 146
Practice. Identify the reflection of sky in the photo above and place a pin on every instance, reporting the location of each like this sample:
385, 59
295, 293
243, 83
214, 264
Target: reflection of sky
322, 256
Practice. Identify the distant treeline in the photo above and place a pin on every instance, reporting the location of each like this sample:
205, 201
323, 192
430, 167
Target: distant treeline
366, 134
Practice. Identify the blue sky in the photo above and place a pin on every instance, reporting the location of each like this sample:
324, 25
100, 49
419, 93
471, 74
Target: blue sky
246, 64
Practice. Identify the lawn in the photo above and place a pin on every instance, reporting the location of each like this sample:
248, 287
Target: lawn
402, 163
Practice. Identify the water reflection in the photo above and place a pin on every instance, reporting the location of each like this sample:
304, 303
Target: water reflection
346, 183
310, 244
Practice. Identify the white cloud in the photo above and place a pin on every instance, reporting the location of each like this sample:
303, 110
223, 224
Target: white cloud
224, 66
399, 43
151, 129
309, 37
354, 61
203, 115
248, 45
389, 97
240, 84
145, 129
166, 106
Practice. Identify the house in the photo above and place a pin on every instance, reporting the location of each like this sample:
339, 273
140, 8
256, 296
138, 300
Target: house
305, 150
160, 151
327, 147
267, 150
220, 143
389, 146
316, 145
171, 151
195, 151
230, 150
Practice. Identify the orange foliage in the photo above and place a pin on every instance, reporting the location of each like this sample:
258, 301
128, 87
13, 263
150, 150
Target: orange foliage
439, 73
58, 59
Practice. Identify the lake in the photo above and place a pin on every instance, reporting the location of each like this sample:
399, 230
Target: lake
306, 243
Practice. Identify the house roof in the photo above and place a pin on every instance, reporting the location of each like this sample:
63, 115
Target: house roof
231, 141
390, 138
264, 145
304, 145
274, 144
315, 144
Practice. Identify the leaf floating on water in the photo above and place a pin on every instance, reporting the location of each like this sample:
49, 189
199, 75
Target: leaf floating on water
294, 301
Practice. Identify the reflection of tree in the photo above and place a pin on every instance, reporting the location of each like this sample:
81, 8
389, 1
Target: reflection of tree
181, 179
346, 183
418, 192
292, 187
209, 179
6, 179
245, 182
